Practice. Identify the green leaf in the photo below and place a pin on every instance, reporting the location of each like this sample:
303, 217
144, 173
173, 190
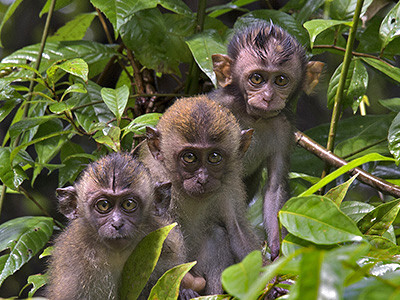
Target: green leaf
355, 210
166, 49
394, 137
96, 55
393, 104
307, 9
109, 136
338, 193
203, 46
344, 9
292, 243
37, 281
385, 68
75, 88
75, 29
116, 100
315, 27
93, 110
319, 220
77, 67
355, 86
28, 123
10, 174
351, 165
377, 221
167, 287
238, 278
23, 237
141, 263
59, 4
390, 26
282, 19
138, 125
6, 106
8, 15
73, 157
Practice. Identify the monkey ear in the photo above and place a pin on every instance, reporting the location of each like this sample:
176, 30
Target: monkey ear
222, 69
153, 141
245, 140
313, 73
162, 197
67, 202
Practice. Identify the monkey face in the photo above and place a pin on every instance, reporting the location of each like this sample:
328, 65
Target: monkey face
116, 216
267, 84
200, 169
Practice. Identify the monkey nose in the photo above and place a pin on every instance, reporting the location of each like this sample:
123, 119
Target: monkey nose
117, 226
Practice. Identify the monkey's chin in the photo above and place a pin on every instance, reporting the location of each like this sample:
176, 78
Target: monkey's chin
262, 113
118, 242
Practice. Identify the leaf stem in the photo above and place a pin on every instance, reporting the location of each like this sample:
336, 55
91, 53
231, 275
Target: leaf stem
337, 107
37, 63
192, 86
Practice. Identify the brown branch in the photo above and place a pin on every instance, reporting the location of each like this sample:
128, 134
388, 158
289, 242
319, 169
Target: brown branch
328, 157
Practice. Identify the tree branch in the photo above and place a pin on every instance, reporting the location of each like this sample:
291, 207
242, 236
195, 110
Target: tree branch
328, 157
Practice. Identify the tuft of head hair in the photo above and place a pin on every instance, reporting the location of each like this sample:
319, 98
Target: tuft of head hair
199, 119
266, 41
115, 170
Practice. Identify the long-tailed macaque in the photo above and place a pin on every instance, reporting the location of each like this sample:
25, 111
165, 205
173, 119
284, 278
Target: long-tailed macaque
111, 208
260, 78
197, 145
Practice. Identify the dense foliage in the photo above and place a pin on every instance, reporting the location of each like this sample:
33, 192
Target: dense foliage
339, 246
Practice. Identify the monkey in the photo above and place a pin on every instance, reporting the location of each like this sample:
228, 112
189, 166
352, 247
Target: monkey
111, 208
259, 81
198, 145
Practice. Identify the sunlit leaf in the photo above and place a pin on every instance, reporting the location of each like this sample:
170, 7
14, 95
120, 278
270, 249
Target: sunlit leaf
138, 125
338, 193
318, 220
75, 29
116, 100
390, 26
344, 9
238, 278
377, 221
315, 27
385, 68
167, 287
141, 263
394, 137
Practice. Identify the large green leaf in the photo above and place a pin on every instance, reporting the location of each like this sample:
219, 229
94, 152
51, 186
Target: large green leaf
355, 86
96, 55
377, 221
119, 11
28, 123
390, 26
203, 46
93, 110
76, 66
394, 137
139, 124
109, 136
277, 17
355, 210
11, 175
392, 104
59, 4
9, 99
319, 220
116, 100
23, 237
167, 287
158, 40
315, 27
344, 9
73, 30
385, 68
141, 263
238, 278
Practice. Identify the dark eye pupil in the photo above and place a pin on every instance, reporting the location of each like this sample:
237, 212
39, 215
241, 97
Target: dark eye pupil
189, 157
214, 157
103, 205
129, 204
256, 78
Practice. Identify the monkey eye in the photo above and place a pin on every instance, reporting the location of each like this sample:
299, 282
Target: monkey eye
103, 206
129, 205
215, 158
256, 78
189, 157
281, 80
